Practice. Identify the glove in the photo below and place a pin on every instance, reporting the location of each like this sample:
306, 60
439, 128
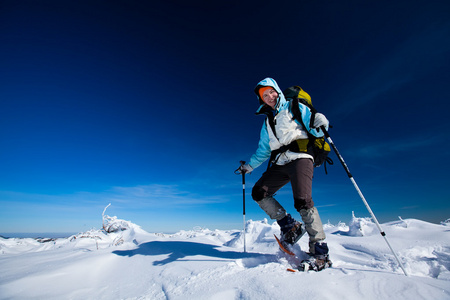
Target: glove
320, 120
244, 169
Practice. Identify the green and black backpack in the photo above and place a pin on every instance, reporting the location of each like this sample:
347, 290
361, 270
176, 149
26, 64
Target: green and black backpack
315, 146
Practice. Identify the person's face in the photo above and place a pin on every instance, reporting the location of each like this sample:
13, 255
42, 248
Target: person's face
270, 97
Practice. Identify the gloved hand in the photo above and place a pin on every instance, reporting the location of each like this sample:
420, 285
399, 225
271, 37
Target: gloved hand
320, 120
244, 169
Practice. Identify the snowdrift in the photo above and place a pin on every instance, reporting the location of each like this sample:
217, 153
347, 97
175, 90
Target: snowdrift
122, 261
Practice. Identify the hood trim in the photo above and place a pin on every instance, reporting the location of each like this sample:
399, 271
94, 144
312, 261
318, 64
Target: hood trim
272, 83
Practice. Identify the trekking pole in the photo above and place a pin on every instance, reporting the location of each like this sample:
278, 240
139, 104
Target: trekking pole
243, 194
243, 201
383, 234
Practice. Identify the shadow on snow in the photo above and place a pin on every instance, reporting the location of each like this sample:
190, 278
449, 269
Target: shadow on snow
178, 250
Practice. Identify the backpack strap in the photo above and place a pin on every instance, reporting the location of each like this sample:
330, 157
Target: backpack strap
293, 146
295, 109
273, 154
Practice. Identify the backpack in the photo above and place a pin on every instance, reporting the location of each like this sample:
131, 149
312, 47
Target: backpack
317, 147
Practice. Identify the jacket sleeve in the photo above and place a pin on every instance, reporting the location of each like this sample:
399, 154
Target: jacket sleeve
263, 152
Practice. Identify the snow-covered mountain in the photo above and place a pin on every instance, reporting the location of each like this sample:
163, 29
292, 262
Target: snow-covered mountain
122, 261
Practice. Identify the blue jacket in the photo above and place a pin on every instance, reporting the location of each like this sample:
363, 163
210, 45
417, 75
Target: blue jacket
287, 129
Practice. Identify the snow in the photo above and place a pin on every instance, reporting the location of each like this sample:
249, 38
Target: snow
122, 261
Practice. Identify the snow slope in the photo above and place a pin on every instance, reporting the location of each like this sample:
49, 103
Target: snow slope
129, 263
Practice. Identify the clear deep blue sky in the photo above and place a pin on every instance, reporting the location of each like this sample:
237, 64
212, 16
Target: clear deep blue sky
150, 107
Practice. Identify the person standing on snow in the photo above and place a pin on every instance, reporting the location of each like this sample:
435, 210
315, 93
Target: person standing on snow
279, 132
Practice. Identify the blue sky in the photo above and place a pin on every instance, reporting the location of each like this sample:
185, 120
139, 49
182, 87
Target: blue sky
151, 108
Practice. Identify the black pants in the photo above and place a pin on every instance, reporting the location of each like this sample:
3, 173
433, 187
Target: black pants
299, 172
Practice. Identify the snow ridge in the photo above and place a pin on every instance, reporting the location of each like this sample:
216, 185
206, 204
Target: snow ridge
122, 261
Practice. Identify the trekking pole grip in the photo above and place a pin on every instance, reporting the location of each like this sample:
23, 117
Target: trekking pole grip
243, 173
341, 159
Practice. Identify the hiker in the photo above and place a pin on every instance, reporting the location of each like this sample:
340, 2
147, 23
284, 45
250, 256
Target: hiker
280, 132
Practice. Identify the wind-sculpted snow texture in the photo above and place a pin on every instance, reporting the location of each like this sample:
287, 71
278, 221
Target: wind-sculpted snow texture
130, 263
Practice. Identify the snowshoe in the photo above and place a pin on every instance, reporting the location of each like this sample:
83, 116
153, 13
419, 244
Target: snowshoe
283, 246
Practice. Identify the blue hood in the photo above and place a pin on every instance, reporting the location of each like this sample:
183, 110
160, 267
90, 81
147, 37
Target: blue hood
272, 83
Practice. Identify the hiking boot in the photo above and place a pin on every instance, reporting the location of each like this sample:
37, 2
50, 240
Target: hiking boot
291, 230
322, 261
318, 260
294, 234
315, 263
